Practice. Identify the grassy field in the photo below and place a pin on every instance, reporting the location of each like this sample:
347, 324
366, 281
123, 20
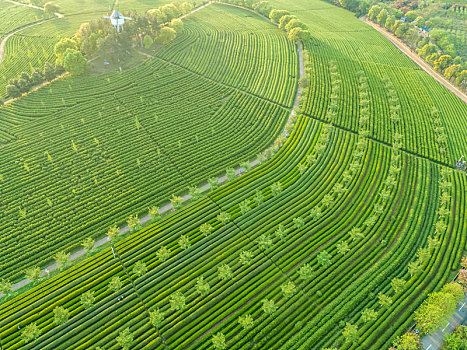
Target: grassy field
355, 197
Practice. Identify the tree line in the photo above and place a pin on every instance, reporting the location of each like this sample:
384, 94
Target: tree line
25, 82
434, 48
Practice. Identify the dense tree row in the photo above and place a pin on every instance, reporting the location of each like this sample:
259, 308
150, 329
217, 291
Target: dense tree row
26, 82
454, 69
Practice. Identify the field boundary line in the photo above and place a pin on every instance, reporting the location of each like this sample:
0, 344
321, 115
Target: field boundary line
417, 59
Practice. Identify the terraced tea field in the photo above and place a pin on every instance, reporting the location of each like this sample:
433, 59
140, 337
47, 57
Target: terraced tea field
300, 252
103, 180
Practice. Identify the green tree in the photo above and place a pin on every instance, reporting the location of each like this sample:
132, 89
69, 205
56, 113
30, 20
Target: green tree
269, 306
177, 25
62, 259
112, 232
461, 79
74, 62
305, 272
177, 301
87, 299
298, 223
423, 254
36, 78
433, 243
154, 212
281, 232
427, 50
213, 182
384, 300
206, 229
246, 321
147, 41
50, 8
163, 253
166, 35
356, 233
295, 23
140, 268
374, 12
224, 272
170, 11
420, 21
245, 257
408, 341
275, 15
398, 285
12, 91
156, 317
115, 284
223, 217
414, 267
258, 197
244, 206
295, 35
350, 333
264, 241
30, 332
390, 20
5, 286
276, 189
61, 315
288, 289
327, 200
284, 20
194, 192
184, 242
316, 213
342, 247
324, 258
125, 339
218, 341
176, 201
369, 315
442, 63
230, 174
382, 17
202, 286
33, 274
133, 221
88, 243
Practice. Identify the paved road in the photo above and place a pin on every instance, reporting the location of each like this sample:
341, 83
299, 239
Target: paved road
435, 341
417, 59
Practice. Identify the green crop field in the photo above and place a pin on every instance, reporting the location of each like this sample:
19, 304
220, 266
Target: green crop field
103, 181
16, 16
359, 188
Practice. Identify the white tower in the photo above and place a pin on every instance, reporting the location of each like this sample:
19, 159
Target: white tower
117, 20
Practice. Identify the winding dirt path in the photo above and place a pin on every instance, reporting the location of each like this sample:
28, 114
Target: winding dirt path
417, 59
3, 43
167, 207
